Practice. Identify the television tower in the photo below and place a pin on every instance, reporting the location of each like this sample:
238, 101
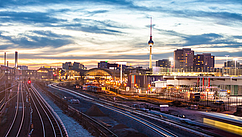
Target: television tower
150, 44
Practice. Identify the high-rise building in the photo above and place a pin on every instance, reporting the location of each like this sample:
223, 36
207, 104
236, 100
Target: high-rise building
23, 67
163, 63
183, 58
74, 66
77, 65
67, 65
203, 62
103, 64
231, 64
106, 65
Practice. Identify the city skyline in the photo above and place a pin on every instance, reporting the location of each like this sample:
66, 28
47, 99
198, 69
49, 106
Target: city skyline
53, 32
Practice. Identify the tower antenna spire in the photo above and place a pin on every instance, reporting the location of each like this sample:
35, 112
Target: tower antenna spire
150, 28
150, 43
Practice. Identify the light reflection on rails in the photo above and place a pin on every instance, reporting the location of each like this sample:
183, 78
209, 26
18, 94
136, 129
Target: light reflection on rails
16, 113
56, 123
156, 128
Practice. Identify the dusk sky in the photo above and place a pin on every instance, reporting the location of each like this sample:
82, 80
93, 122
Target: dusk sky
50, 32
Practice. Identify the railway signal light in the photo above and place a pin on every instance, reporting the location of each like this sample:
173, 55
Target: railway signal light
228, 91
29, 81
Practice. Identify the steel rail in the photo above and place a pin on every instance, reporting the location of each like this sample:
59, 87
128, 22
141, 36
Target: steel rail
46, 113
145, 122
154, 117
51, 122
22, 120
15, 116
127, 108
1, 102
52, 112
41, 119
3, 105
8, 88
93, 120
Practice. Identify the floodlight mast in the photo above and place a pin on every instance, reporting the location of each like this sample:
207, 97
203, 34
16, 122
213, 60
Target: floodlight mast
121, 70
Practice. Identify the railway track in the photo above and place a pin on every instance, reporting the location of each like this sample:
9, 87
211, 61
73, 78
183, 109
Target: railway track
6, 99
44, 117
16, 127
97, 128
127, 112
2, 104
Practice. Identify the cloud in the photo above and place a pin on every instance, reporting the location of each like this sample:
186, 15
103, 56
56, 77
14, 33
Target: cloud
30, 41
6, 46
50, 34
116, 29
91, 13
94, 26
28, 18
44, 2
212, 39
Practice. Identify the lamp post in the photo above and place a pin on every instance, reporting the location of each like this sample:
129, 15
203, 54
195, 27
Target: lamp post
207, 96
228, 91
235, 59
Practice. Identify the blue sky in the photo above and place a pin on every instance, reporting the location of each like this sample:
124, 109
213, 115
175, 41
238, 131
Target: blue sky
50, 32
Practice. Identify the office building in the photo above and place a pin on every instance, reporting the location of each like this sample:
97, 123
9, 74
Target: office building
163, 63
103, 64
74, 66
23, 67
183, 58
67, 65
203, 62
231, 64
77, 65
106, 65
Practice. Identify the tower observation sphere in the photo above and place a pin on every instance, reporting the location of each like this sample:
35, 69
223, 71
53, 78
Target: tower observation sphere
151, 42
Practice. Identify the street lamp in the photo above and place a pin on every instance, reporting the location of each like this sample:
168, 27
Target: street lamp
191, 89
228, 91
235, 59
207, 96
